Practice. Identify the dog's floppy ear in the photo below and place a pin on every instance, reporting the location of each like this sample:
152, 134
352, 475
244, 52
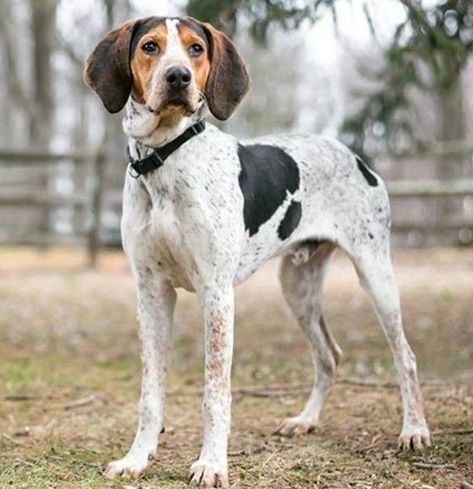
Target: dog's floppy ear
107, 70
228, 79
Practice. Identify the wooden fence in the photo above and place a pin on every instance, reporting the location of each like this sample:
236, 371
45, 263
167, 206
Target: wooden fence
97, 194
89, 200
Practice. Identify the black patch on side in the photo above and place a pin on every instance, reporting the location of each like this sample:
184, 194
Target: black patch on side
267, 174
369, 177
290, 220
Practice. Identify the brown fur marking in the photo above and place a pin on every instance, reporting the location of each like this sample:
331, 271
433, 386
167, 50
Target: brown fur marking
142, 64
200, 64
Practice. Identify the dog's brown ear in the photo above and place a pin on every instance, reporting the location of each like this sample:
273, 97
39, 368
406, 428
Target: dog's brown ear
228, 80
107, 70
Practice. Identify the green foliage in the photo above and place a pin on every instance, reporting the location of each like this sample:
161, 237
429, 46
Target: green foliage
261, 14
428, 51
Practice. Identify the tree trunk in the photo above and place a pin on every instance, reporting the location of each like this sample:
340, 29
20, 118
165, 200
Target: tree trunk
43, 14
43, 17
452, 127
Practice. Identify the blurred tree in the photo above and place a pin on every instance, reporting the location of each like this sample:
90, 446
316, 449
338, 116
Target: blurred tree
259, 113
15, 104
262, 14
43, 18
428, 52
29, 94
75, 44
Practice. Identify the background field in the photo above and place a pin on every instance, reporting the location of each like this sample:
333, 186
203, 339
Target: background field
69, 378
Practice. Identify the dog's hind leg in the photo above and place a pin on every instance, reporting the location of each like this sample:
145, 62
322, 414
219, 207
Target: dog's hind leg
301, 282
374, 268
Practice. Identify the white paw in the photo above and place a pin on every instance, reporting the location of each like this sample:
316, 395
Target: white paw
415, 437
206, 474
295, 426
128, 468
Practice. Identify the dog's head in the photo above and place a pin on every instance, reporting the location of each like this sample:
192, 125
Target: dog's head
170, 65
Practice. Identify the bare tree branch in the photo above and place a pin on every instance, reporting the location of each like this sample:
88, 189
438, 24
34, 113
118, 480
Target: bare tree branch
15, 87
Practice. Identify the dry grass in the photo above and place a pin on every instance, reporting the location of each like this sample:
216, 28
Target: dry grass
69, 378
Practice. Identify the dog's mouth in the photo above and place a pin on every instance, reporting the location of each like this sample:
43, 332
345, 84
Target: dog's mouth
179, 103
177, 100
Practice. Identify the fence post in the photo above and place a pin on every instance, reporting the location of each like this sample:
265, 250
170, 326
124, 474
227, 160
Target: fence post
93, 242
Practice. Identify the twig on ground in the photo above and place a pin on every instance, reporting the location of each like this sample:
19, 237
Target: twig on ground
80, 402
269, 392
375, 442
367, 383
425, 465
10, 438
20, 397
466, 431
288, 389
252, 391
249, 451
275, 387
387, 385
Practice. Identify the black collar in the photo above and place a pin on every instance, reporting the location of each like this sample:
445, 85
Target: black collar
156, 159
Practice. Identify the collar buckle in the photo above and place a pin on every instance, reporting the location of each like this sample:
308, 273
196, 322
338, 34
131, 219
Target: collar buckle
132, 171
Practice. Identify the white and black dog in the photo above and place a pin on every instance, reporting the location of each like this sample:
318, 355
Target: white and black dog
203, 211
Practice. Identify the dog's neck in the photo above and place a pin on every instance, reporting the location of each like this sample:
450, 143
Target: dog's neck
147, 131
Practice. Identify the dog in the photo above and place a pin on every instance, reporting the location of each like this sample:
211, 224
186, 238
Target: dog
203, 211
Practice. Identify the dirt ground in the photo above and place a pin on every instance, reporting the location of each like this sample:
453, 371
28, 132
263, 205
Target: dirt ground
69, 378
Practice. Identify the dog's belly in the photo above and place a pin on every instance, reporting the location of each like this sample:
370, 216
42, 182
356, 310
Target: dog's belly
267, 244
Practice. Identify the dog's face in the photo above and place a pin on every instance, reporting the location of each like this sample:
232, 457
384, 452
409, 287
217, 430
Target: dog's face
170, 65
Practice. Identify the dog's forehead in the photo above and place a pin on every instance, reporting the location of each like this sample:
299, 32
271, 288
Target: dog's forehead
172, 25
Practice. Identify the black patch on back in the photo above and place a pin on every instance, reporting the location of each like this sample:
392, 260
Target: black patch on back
267, 175
369, 177
290, 221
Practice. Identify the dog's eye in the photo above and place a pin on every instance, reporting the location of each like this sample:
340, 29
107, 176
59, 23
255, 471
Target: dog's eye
196, 50
150, 47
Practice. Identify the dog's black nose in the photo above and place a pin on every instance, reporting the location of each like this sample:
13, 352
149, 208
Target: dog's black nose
178, 77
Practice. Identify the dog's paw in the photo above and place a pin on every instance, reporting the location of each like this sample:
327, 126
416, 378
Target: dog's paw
295, 426
414, 438
204, 474
128, 468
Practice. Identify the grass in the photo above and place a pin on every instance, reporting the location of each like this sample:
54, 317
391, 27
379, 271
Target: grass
69, 379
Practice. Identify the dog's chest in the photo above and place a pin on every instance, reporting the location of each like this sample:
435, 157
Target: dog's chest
183, 219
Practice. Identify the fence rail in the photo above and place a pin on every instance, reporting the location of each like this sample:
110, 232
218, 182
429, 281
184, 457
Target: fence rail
430, 188
41, 157
88, 201
26, 198
93, 200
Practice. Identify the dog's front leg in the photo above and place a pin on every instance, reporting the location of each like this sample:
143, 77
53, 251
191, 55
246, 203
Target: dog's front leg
211, 469
156, 303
